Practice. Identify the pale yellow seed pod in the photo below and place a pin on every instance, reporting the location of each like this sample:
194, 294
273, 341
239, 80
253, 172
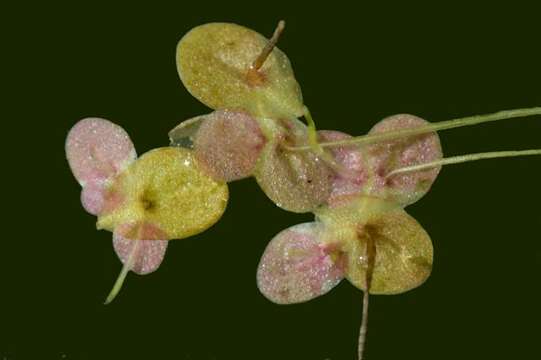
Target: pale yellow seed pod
165, 187
215, 63
403, 249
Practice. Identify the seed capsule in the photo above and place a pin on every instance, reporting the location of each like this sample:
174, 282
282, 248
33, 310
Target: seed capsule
216, 64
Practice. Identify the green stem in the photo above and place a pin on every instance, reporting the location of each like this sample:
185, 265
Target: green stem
443, 125
312, 131
317, 148
128, 265
465, 158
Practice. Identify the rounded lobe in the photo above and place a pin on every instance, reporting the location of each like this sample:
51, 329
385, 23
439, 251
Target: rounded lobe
93, 197
215, 61
98, 149
384, 157
150, 250
295, 181
296, 267
166, 187
404, 253
228, 144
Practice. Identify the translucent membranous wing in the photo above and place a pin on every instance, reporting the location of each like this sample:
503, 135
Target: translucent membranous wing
403, 258
296, 181
184, 133
166, 188
296, 267
98, 149
387, 156
228, 144
215, 61
146, 247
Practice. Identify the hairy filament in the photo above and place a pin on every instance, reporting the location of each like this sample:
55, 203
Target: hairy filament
370, 264
364, 326
465, 158
270, 45
442, 125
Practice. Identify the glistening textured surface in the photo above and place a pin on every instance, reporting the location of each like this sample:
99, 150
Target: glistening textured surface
98, 149
387, 156
403, 253
418, 61
146, 241
228, 144
165, 187
92, 196
214, 63
295, 181
354, 176
297, 267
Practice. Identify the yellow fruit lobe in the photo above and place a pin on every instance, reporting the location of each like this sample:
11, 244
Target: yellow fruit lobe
215, 63
404, 250
165, 187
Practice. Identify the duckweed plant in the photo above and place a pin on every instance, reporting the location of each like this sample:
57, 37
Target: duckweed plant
356, 187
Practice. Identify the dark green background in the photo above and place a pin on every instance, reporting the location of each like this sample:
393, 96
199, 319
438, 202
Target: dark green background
356, 64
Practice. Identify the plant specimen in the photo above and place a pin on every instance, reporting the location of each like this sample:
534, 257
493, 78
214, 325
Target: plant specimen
145, 202
356, 187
